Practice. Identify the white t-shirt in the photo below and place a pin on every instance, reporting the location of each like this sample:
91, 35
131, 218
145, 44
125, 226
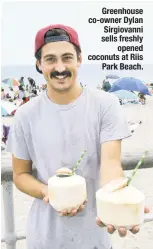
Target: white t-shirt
53, 136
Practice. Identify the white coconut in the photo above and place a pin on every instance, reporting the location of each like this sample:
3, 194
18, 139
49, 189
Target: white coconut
66, 192
120, 207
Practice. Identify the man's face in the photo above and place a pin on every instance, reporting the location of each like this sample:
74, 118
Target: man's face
59, 65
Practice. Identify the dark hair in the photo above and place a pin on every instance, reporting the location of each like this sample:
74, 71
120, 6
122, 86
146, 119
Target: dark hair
54, 33
21, 88
34, 92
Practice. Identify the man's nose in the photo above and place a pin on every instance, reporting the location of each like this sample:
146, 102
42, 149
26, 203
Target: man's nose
60, 67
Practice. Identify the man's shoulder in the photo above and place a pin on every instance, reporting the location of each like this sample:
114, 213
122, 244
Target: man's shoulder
102, 97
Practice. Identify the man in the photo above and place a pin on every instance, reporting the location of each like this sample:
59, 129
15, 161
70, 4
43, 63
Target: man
52, 130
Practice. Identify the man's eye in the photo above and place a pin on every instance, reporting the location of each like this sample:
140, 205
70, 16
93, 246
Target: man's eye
51, 59
67, 58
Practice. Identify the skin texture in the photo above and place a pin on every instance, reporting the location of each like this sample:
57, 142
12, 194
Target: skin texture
61, 56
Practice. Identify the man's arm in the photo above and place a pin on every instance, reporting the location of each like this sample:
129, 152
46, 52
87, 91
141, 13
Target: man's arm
110, 168
24, 181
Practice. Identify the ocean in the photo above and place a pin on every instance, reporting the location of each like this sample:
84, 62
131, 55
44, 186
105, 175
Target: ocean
89, 74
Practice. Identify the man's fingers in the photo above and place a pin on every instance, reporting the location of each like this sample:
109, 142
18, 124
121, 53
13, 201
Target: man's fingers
63, 213
66, 213
122, 231
99, 223
135, 229
85, 202
73, 212
110, 229
81, 208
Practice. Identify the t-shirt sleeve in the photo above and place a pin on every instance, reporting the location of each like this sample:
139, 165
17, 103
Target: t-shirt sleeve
16, 143
114, 125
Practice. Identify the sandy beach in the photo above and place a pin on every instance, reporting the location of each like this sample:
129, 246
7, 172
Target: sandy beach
141, 139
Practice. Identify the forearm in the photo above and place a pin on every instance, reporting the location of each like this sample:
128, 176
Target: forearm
27, 184
109, 171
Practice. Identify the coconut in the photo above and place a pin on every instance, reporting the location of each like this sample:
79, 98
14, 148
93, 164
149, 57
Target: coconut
120, 205
66, 190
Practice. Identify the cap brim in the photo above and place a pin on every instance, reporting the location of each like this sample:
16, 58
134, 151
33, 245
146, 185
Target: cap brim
38, 69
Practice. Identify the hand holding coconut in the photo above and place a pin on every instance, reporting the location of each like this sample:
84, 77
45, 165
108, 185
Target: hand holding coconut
67, 191
121, 230
120, 206
48, 194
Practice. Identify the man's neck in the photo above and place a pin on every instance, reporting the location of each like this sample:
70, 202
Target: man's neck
64, 97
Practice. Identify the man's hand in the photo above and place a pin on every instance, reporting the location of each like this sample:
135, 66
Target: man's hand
122, 230
73, 211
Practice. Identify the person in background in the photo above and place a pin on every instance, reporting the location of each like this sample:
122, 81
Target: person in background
2, 94
106, 86
21, 81
120, 100
27, 87
25, 100
33, 93
8, 96
142, 98
11, 93
32, 82
6, 130
21, 92
52, 130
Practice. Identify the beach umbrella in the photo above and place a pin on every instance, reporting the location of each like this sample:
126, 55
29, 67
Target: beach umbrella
5, 87
15, 88
112, 76
124, 94
3, 112
11, 82
130, 84
7, 107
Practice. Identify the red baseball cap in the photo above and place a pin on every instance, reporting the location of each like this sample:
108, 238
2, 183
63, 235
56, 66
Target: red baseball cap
40, 36
40, 39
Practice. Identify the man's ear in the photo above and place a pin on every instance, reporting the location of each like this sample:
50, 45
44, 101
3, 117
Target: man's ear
38, 63
38, 66
79, 60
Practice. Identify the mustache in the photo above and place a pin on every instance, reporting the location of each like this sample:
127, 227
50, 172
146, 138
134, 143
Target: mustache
64, 73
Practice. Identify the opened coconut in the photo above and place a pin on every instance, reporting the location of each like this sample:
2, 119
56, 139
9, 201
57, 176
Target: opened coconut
66, 190
120, 205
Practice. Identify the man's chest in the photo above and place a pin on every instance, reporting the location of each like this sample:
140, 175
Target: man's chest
62, 138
